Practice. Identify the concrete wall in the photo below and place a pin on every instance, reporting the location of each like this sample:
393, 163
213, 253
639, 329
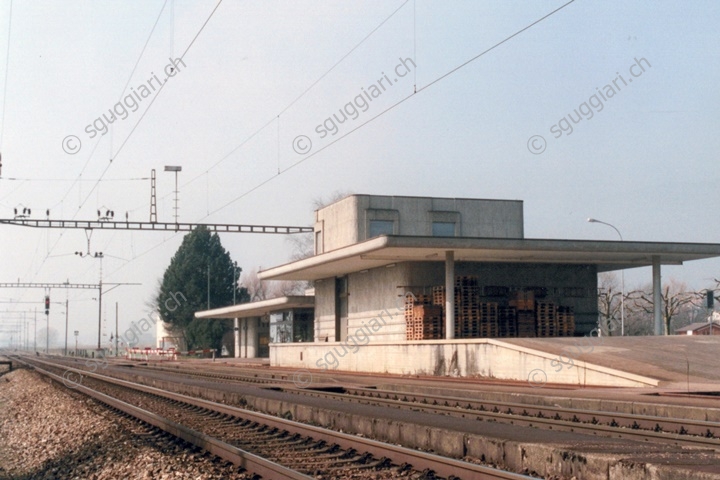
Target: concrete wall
369, 293
325, 309
466, 358
347, 221
377, 292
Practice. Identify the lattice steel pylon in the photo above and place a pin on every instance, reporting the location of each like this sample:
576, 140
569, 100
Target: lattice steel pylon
153, 198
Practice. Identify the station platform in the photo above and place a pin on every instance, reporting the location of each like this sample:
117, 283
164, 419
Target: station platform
674, 360
677, 362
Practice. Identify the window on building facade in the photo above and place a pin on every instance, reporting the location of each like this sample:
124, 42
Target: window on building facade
443, 229
381, 227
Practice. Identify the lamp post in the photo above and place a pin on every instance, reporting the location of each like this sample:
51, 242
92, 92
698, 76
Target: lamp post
622, 275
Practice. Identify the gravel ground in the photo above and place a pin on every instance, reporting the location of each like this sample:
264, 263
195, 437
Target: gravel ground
47, 432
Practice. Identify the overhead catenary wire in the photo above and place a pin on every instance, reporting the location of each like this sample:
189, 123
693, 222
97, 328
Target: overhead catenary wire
297, 98
152, 101
388, 109
5, 84
104, 172
393, 106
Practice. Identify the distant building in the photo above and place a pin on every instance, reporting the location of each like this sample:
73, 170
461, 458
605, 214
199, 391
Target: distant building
700, 328
163, 338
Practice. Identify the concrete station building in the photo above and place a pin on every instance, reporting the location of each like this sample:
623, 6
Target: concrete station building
374, 253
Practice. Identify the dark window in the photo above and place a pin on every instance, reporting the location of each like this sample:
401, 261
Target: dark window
381, 227
443, 229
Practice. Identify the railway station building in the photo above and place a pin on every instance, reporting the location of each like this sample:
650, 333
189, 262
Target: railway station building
436, 286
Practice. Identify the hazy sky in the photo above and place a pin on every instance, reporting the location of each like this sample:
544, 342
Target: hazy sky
262, 74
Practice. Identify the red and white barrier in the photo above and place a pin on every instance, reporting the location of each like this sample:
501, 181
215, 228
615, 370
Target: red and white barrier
151, 354
159, 354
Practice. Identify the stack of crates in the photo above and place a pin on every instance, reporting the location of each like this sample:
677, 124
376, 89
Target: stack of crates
546, 318
524, 305
526, 324
438, 294
523, 301
488, 321
410, 304
427, 323
507, 322
566, 321
467, 309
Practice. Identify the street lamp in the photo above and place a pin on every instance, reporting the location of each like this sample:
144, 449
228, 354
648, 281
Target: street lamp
622, 275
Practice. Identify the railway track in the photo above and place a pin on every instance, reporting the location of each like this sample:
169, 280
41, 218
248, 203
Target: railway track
269, 446
646, 428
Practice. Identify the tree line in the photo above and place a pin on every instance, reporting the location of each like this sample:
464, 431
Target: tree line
680, 307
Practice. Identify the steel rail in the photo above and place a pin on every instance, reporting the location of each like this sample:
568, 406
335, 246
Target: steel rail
617, 424
250, 462
524, 417
543, 414
442, 466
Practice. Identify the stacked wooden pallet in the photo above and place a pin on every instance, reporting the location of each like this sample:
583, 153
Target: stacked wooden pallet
546, 319
488, 321
523, 301
438, 296
507, 322
566, 321
526, 324
410, 304
427, 323
467, 309
528, 313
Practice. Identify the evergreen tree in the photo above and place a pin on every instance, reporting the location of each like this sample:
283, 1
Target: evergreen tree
184, 289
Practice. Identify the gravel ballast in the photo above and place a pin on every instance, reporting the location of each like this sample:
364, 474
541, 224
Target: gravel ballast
48, 432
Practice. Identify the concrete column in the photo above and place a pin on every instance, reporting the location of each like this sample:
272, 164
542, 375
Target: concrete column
250, 337
449, 295
657, 295
236, 335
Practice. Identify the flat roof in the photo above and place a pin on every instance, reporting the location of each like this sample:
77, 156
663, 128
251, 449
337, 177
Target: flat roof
464, 199
389, 249
260, 308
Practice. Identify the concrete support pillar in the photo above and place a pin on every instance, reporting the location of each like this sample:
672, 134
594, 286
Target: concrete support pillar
236, 335
249, 338
657, 295
449, 295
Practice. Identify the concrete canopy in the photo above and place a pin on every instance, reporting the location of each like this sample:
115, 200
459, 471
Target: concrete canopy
259, 309
386, 250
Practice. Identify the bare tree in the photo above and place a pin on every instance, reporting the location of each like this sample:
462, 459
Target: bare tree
675, 296
609, 302
263, 290
303, 244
